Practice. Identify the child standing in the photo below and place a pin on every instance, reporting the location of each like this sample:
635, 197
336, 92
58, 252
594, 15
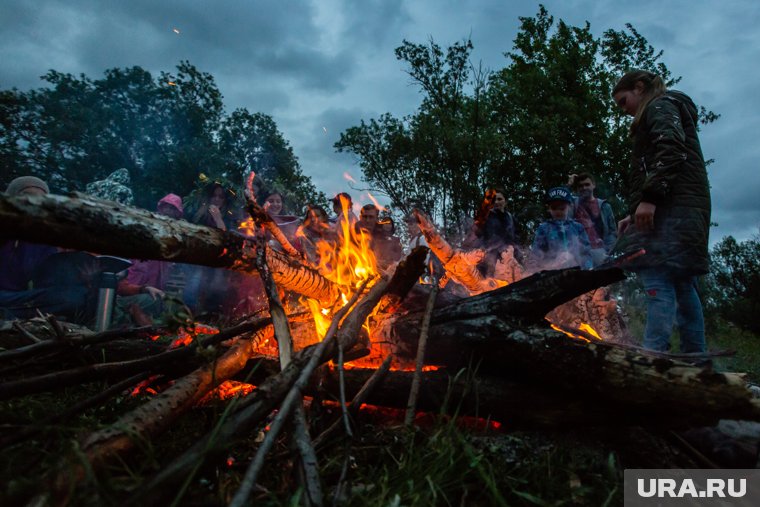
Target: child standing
560, 242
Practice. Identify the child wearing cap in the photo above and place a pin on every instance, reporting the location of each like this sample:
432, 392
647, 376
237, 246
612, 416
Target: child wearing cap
560, 242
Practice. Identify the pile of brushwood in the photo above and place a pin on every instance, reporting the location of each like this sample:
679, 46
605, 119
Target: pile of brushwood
516, 413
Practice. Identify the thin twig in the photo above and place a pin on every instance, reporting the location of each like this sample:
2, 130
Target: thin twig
60, 333
27, 334
342, 393
411, 406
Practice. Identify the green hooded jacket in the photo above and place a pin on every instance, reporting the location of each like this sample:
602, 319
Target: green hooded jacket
668, 170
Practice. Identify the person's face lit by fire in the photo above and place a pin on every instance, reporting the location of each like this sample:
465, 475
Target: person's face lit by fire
316, 220
170, 211
499, 202
369, 218
558, 210
217, 198
273, 204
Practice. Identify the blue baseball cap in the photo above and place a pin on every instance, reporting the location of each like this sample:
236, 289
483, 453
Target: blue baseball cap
559, 194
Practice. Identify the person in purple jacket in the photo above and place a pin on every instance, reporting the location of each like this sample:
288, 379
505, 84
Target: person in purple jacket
140, 294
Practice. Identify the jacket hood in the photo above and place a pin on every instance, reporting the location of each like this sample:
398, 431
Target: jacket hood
686, 101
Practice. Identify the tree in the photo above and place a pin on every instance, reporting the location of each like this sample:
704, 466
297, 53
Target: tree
165, 131
419, 160
548, 113
733, 285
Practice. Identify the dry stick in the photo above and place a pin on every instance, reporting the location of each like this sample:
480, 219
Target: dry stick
26, 333
353, 408
261, 217
421, 346
106, 336
361, 312
93, 372
342, 393
301, 438
92, 401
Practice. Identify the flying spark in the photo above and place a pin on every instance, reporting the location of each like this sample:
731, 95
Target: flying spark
171, 83
325, 129
175, 30
349, 177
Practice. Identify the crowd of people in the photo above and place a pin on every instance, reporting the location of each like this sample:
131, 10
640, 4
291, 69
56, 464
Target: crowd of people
669, 218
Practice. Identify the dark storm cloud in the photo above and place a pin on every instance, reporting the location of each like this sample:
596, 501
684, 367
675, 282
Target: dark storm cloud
326, 64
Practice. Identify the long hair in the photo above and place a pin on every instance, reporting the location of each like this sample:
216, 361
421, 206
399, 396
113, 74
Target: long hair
654, 86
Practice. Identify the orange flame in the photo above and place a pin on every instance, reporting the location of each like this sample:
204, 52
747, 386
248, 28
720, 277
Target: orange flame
226, 390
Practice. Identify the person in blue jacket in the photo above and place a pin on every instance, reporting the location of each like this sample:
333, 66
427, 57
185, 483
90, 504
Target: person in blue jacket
560, 242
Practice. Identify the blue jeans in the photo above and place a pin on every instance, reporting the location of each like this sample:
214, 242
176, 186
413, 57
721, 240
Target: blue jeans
672, 298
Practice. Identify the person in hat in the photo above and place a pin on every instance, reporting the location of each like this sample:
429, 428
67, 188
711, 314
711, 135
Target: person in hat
140, 294
20, 261
560, 242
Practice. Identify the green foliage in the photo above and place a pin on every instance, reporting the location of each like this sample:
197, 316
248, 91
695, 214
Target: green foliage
732, 290
164, 131
526, 127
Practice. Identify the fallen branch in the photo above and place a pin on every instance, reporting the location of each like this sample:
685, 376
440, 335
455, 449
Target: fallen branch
301, 438
262, 218
84, 223
92, 372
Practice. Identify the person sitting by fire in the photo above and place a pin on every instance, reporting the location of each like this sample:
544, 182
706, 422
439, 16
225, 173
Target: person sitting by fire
19, 263
385, 244
215, 204
595, 215
314, 229
493, 230
560, 242
140, 294
274, 205
344, 215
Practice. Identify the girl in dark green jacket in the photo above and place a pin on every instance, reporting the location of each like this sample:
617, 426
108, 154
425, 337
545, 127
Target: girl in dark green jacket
669, 208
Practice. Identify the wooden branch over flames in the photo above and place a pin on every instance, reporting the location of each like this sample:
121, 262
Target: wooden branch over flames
84, 223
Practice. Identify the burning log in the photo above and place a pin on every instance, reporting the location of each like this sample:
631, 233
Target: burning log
159, 412
85, 223
461, 266
504, 332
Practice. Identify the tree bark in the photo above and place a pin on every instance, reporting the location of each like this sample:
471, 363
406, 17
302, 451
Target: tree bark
85, 223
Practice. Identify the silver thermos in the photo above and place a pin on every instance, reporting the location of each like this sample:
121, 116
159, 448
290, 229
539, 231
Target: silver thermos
106, 298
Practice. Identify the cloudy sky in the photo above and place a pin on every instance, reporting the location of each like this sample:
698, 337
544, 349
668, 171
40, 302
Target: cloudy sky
320, 66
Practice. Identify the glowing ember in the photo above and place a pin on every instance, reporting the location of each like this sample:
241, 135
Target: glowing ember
226, 390
171, 83
185, 337
325, 129
583, 327
175, 30
348, 177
